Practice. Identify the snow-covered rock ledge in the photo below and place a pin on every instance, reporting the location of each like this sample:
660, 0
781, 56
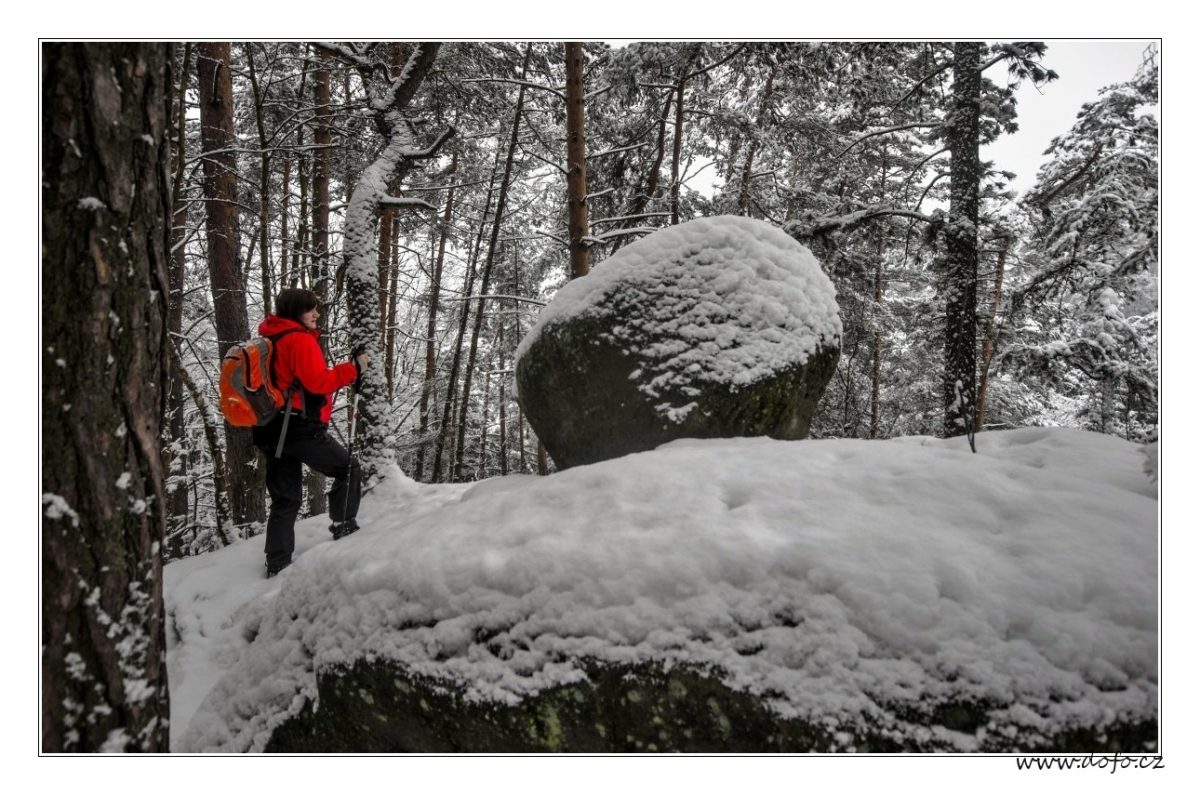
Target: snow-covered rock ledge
900, 594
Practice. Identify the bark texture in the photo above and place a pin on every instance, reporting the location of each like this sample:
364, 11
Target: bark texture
224, 261
962, 250
106, 235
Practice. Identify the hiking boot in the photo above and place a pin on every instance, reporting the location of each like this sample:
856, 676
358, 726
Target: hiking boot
275, 568
343, 529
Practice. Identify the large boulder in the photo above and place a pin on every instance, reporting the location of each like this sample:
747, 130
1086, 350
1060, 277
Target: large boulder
719, 327
379, 706
719, 594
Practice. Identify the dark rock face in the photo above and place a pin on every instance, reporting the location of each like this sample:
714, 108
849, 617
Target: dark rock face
378, 707
716, 328
575, 388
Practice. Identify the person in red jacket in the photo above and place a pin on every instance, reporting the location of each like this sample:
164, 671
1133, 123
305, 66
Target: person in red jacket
299, 362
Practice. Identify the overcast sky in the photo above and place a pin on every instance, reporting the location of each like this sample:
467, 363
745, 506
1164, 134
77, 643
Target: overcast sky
1084, 67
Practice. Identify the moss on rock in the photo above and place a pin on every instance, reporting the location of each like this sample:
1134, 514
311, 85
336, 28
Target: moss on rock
379, 706
580, 393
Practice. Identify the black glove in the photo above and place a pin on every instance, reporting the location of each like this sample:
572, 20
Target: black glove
354, 354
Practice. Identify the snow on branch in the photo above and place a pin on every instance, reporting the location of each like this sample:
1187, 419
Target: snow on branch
637, 230
618, 149
347, 55
556, 92
898, 128
553, 236
495, 297
630, 217
401, 201
714, 65
432, 149
818, 227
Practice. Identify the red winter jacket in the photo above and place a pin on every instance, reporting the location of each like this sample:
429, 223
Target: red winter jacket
299, 357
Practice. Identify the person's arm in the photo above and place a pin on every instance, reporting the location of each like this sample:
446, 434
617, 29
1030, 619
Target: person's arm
308, 365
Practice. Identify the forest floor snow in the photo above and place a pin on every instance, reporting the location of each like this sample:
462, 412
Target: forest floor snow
828, 575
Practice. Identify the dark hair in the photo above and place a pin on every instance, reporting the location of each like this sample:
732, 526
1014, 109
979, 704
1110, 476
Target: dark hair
294, 302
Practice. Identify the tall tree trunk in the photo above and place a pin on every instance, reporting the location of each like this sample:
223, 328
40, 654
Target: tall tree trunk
989, 339
503, 399
264, 185
962, 254
577, 211
210, 422
389, 343
386, 220
646, 194
497, 222
752, 146
106, 204
322, 138
314, 482
435, 291
877, 308
224, 261
677, 143
388, 103
177, 458
285, 200
456, 352
299, 272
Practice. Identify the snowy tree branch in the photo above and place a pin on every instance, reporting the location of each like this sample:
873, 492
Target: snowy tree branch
400, 201
898, 128
525, 83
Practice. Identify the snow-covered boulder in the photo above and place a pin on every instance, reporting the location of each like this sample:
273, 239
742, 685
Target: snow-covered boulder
731, 594
718, 327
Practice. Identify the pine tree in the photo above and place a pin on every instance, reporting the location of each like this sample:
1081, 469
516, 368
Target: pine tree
106, 202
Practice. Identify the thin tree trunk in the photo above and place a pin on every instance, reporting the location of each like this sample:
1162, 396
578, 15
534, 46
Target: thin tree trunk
322, 138
958, 382
577, 210
106, 209
497, 222
319, 279
178, 460
752, 147
645, 196
264, 186
386, 221
435, 290
210, 423
224, 261
502, 400
877, 309
285, 274
989, 339
456, 355
677, 144
394, 287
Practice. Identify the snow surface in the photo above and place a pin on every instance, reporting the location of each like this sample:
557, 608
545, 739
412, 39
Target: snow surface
827, 575
729, 300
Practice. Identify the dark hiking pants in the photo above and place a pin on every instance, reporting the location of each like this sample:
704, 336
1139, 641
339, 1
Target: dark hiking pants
308, 443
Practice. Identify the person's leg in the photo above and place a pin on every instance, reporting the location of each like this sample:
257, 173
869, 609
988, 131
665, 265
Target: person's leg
324, 454
286, 490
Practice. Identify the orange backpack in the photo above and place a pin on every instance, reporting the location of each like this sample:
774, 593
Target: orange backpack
249, 396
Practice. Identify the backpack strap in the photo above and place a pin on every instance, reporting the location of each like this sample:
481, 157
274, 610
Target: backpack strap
287, 394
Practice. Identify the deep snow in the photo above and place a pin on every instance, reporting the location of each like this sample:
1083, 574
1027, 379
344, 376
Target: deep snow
832, 574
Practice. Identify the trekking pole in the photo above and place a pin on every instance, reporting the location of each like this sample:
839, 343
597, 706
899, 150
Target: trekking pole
350, 449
